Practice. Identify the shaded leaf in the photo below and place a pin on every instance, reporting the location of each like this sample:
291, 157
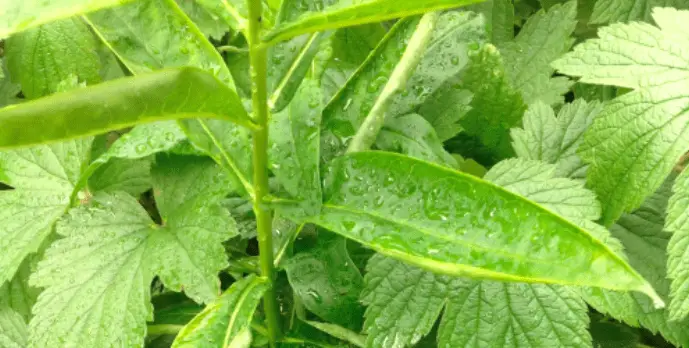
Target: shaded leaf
12, 329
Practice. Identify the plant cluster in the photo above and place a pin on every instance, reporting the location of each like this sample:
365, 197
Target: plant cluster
344, 173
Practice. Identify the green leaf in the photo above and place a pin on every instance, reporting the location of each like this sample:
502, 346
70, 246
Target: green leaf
610, 11
12, 329
8, 89
208, 22
495, 107
130, 176
499, 16
445, 109
413, 136
40, 58
299, 17
290, 61
294, 153
445, 55
678, 261
544, 37
645, 244
169, 94
145, 140
154, 34
554, 139
226, 319
43, 178
327, 281
22, 15
402, 208
340, 332
17, 293
637, 139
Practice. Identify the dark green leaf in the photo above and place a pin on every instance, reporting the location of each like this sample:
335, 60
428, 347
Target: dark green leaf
327, 281
169, 94
300, 17
40, 58
131, 176
340, 332
407, 209
445, 109
226, 319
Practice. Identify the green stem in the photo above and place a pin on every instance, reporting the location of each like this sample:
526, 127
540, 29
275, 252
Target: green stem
259, 96
367, 133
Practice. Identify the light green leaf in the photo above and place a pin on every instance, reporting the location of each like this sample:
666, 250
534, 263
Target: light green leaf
12, 329
445, 56
43, 178
402, 208
294, 153
209, 23
145, 140
554, 139
645, 244
637, 139
299, 17
232, 12
16, 16
222, 321
95, 276
610, 11
339, 332
168, 94
677, 222
544, 38
154, 34
289, 62
413, 136
496, 105
40, 58
327, 281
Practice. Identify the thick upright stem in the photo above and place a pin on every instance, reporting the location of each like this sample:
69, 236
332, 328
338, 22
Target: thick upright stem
259, 96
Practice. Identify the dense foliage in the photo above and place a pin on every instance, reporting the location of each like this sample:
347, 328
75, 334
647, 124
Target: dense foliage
344, 173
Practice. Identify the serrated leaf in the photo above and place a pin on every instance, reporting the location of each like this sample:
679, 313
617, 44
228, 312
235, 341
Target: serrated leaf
294, 152
222, 321
209, 23
401, 207
554, 139
326, 280
610, 11
43, 178
445, 56
677, 222
413, 136
445, 109
130, 176
544, 37
300, 17
637, 139
168, 94
499, 16
154, 34
645, 244
12, 329
22, 15
40, 58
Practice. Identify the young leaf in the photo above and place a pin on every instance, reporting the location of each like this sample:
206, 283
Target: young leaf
156, 34
226, 319
168, 94
21, 15
637, 139
677, 222
43, 178
402, 208
610, 11
327, 281
12, 329
555, 139
299, 17
294, 153
40, 58
645, 244
544, 38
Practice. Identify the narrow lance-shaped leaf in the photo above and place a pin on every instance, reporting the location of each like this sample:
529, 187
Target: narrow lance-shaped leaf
406, 208
16, 16
638, 137
299, 17
169, 94
226, 319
